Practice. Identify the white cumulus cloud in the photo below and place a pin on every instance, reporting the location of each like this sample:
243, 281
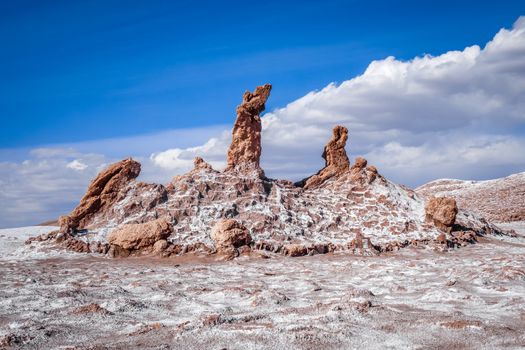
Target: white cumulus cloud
455, 114
77, 165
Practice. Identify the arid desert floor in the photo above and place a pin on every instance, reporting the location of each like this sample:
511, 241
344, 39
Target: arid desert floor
416, 298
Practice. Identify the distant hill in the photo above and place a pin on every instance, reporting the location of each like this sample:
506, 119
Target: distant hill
498, 200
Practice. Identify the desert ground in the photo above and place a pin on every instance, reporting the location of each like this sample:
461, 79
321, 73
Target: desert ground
416, 298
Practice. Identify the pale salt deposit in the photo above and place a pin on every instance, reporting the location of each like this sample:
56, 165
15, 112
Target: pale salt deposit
473, 297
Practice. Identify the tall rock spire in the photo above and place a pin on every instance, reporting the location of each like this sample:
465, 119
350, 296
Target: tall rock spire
245, 150
336, 160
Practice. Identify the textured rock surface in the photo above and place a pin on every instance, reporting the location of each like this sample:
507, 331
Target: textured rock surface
103, 191
200, 164
294, 250
442, 211
139, 236
228, 234
245, 149
498, 200
343, 207
336, 160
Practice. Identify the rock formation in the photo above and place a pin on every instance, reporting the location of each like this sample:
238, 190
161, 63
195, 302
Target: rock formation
245, 149
341, 208
442, 211
336, 160
102, 193
200, 164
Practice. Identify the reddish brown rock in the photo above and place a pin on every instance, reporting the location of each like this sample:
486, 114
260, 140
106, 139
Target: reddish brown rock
200, 164
147, 328
441, 239
362, 174
228, 234
462, 238
362, 245
294, 250
91, 309
245, 149
461, 324
336, 160
101, 194
442, 211
160, 246
132, 237
360, 163
76, 245
212, 320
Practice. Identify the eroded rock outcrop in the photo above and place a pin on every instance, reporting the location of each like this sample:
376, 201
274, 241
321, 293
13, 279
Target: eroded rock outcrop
102, 193
200, 164
342, 207
244, 153
136, 237
442, 211
336, 160
362, 174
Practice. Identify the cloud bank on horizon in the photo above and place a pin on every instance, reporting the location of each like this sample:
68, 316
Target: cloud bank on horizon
457, 115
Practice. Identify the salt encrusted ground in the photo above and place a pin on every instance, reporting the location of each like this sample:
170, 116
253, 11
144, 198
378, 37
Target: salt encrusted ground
473, 297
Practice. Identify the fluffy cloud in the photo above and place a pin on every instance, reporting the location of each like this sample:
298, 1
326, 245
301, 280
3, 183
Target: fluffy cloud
77, 164
181, 159
450, 115
47, 184
460, 114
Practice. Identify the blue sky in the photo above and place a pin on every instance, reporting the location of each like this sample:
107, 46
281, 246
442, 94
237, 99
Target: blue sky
427, 89
75, 71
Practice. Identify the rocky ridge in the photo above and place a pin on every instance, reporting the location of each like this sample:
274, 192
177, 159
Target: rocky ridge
344, 207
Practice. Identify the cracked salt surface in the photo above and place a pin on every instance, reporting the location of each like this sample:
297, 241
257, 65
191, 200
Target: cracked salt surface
473, 297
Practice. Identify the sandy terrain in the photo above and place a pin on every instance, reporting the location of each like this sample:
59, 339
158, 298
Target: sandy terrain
471, 298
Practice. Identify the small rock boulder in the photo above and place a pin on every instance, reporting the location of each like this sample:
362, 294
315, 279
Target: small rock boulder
362, 245
228, 234
294, 250
132, 237
160, 246
441, 239
200, 164
442, 211
362, 174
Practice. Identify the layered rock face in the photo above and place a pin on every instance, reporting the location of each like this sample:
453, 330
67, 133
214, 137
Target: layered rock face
344, 207
245, 150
